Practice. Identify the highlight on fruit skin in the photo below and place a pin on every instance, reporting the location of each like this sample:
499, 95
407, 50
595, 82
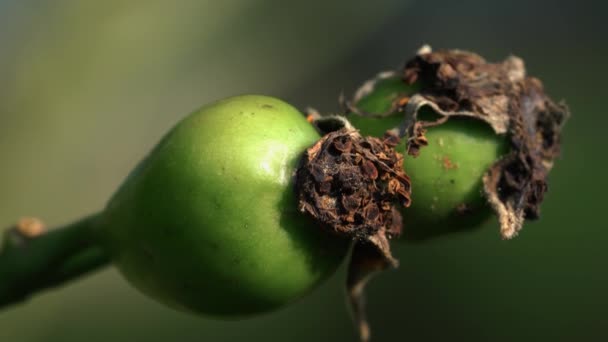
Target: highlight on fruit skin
209, 223
480, 137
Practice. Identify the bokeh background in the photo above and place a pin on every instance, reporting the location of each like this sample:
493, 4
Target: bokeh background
88, 87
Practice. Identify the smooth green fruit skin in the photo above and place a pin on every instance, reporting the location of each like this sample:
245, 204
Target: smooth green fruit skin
208, 222
447, 188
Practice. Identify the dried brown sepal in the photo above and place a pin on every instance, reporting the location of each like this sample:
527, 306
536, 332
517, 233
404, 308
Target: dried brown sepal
459, 83
368, 258
350, 185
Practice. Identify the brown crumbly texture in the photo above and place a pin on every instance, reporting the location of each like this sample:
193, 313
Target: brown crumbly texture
459, 83
349, 184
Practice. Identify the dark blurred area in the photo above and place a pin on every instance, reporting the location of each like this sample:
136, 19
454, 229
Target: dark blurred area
87, 88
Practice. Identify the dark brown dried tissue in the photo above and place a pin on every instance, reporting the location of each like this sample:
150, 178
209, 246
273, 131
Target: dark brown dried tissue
460, 83
349, 183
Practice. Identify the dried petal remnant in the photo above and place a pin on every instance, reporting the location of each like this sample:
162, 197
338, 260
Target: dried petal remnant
460, 83
348, 183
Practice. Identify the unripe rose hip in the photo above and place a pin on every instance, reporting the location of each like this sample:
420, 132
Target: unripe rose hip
209, 223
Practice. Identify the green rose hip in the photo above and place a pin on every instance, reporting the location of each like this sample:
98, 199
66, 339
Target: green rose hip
208, 222
447, 177
447, 189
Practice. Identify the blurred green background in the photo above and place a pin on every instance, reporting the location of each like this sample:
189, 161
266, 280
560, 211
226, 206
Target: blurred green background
87, 88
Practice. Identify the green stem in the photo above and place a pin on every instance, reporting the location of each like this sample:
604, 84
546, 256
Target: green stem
48, 260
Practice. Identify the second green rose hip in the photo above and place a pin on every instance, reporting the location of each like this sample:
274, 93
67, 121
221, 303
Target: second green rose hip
447, 191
